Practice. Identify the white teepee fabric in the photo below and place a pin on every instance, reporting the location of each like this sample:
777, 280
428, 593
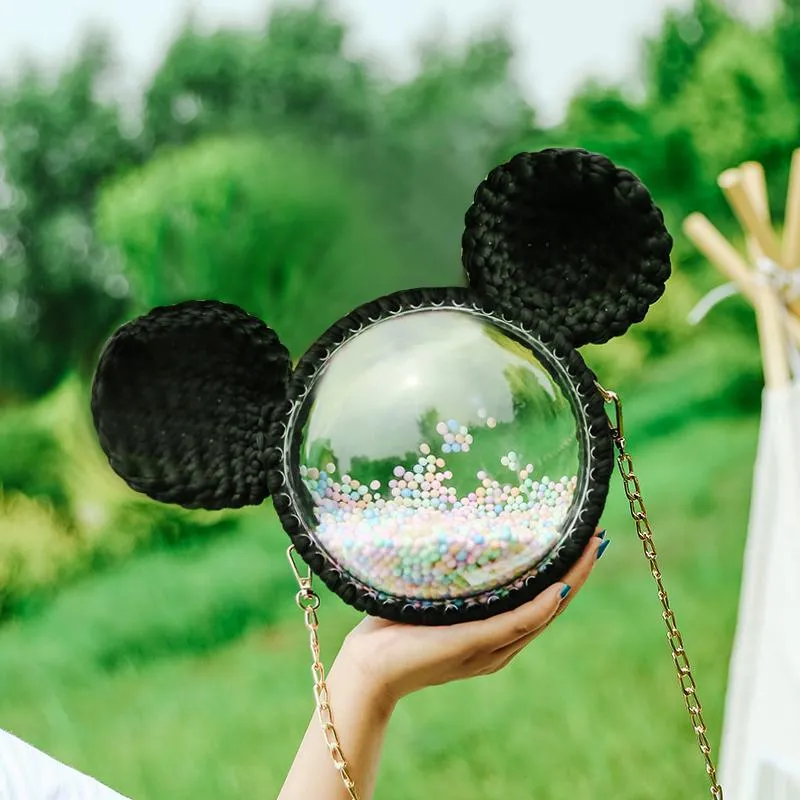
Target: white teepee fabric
760, 756
28, 774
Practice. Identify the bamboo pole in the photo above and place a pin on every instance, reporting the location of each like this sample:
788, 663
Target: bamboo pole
724, 256
791, 226
755, 184
721, 253
768, 306
746, 195
771, 333
732, 184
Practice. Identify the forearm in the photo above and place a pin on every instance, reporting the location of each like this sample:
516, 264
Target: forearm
361, 715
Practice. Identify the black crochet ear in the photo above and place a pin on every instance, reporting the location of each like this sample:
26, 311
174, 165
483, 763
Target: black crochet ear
566, 235
182, 400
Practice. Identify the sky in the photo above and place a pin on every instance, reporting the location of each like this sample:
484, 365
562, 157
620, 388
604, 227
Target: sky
559, 43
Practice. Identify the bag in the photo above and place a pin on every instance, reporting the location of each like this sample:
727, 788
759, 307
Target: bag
440, 454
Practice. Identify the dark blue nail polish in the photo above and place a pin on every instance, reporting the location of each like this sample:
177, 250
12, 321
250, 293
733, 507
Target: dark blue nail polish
603, 547
601, 534
566, 590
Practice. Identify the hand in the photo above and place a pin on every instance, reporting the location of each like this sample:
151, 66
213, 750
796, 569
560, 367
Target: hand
396, 659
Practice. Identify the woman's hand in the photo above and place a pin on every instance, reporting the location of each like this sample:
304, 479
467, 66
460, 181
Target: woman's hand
381, 661
394, 660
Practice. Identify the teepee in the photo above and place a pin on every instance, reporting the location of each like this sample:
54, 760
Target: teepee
760, 753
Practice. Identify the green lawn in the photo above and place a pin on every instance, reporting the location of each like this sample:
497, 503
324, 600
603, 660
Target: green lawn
183, 673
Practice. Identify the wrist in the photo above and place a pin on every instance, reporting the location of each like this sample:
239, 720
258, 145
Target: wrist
354, 677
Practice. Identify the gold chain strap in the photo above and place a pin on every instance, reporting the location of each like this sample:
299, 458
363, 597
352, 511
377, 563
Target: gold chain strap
308, 602
645, 533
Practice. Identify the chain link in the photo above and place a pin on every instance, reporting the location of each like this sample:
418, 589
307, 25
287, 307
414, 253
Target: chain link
681, 660
308, 602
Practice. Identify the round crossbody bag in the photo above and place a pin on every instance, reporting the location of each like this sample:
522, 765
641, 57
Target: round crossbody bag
438, 455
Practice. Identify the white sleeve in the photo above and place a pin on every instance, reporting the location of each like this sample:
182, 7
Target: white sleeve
28, 774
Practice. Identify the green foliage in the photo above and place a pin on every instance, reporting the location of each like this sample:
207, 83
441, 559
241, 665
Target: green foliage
40, 554
58, 290
293, 74
670, 58
407, 156
438, 134
33, 461
271, 226
462, 103
167, 601
141, 524
36, 551
736, 108
787, 42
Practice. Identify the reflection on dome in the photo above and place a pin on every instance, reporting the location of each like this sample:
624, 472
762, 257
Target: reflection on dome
441, 458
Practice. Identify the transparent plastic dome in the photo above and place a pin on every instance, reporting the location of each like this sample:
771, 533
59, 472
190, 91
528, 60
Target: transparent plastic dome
440, 457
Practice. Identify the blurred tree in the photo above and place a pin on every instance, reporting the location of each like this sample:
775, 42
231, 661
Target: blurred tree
647, 133
422, 146
437, 137
602, 118
272, 226
58, 289
703, 108
294, 73
465, 103
737, 108
419, 149
669, 58
397, 162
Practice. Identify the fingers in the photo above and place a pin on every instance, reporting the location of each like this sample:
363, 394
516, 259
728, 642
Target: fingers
526, 622
505, 629
490, 634
580, 571
576, 578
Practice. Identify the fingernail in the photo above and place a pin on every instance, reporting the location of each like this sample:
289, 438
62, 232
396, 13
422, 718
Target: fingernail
565, 591
601, 534
603, 547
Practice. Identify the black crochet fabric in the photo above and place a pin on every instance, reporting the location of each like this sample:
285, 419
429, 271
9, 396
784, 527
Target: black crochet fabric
293, 503
565, 235
181, 402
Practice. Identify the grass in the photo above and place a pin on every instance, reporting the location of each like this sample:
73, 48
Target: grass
183, 672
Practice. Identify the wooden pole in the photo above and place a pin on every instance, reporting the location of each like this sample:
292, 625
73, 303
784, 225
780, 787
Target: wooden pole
732, 184
746, 191
755, 184
771, 333
746, 196
769, 308
791, 226
724, 256
721, 253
